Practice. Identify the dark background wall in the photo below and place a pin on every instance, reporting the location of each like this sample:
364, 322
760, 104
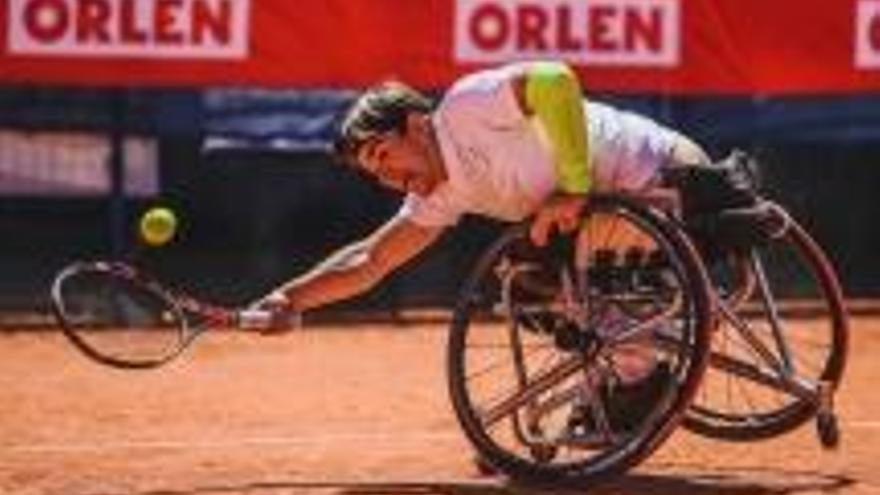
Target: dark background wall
265, 201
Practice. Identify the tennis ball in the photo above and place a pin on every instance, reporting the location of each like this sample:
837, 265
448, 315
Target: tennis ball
158, 226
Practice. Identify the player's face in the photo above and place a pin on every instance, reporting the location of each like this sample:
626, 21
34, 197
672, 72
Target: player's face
407, 162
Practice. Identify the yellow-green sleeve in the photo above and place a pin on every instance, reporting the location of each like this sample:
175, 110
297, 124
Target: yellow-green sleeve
553, 94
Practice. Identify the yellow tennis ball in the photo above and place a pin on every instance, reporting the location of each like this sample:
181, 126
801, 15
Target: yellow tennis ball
158, 226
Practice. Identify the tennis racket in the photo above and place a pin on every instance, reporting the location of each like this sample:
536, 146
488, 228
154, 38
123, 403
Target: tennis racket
120, 316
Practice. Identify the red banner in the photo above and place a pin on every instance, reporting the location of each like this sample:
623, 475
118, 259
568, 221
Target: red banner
650, 46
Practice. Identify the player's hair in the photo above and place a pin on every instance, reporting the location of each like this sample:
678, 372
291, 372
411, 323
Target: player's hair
379, 110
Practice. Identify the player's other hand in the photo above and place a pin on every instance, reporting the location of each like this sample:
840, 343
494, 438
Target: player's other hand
561, 212
270, 315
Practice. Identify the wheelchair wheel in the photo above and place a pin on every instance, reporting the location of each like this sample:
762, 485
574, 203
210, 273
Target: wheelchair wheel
546, 345
781, 339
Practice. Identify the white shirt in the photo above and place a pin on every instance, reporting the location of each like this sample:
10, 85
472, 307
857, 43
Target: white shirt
499, 163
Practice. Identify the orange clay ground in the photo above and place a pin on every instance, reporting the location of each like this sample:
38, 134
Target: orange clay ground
346, 410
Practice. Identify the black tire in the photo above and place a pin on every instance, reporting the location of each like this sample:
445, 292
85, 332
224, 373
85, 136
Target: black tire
474, 319
814, 324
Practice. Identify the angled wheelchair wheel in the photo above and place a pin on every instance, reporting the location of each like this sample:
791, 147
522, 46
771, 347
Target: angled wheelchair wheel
780, 348
573, 364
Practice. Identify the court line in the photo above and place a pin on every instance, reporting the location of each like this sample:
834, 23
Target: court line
862, 424
389, 440
373, 439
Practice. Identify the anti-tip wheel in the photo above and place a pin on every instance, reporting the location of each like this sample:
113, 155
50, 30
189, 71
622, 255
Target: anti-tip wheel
828, 430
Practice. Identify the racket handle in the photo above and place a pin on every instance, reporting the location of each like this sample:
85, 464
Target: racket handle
264, 319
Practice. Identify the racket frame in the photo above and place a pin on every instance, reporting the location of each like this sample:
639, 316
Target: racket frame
186, 310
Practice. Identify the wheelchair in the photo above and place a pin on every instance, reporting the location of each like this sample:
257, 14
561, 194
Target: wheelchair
574, 362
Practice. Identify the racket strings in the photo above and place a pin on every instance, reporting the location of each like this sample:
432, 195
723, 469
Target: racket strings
120, 318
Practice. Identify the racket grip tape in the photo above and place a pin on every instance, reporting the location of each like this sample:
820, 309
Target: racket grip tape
267, 320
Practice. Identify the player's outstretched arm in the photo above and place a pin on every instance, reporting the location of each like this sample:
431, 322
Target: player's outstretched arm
353, 269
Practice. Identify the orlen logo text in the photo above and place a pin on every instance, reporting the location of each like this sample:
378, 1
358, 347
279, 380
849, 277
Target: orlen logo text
215, 29
596, 32
868, 34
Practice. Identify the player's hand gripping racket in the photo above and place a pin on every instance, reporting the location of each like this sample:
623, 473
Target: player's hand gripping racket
122, 317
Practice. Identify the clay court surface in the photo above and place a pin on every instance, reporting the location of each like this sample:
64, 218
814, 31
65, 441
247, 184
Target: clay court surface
346, 410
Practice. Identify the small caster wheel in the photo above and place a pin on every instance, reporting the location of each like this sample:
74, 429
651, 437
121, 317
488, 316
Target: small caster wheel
543, 454
828, 430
